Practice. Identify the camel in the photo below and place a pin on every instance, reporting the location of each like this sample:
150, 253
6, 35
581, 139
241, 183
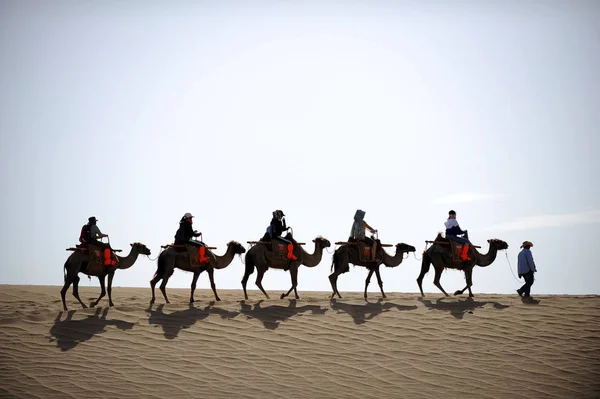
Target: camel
347, 254
79, 262
170, 259
441, 258
261, 257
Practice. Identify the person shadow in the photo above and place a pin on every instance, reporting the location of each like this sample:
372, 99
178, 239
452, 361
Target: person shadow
527, 300
69, 333
272, 316
172, 323
362, 313
459, 308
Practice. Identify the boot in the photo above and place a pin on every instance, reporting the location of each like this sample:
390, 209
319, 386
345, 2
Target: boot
203, 257
290, 254
465, 250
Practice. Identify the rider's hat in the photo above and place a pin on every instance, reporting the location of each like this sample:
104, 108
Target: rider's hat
188, 215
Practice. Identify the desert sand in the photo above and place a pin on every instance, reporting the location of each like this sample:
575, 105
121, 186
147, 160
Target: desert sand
491, 346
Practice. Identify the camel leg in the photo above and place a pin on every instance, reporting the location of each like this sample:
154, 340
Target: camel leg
380, 282
163, 287
249, 270
425, 264
260, 273
153, 283
294, 275
109, 289
102, 292
436, 280
333, 280
194, 280
469, 277
368, 280
64, 290
211, 277
76, 291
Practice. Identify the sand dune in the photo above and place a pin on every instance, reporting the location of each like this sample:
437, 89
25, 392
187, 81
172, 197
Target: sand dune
494, 346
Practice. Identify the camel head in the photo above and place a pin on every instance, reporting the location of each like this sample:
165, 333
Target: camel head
237, 247
402, 247
323, 241
140, 248
498, 244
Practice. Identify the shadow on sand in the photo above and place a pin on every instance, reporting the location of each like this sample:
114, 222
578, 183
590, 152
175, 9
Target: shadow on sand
68, 333
363, 313
527, 300
272, 315
458, 308
172, 323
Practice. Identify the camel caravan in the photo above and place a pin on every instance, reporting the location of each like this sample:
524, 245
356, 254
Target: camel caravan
277, 249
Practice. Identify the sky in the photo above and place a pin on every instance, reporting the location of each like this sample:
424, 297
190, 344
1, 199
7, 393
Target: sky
138, 112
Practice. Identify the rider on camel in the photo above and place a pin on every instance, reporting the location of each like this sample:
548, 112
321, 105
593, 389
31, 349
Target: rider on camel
454, 233
185, 233
276, 229
91, 234
359, 228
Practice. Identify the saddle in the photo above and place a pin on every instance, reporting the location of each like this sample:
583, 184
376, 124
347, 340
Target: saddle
364, 252
198, 255
97, 255
279, 249
456, 250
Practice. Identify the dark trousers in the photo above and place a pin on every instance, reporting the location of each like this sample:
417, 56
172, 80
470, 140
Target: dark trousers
526, 288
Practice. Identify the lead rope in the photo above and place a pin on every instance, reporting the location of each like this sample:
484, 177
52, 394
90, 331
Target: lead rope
510, 267
154, 260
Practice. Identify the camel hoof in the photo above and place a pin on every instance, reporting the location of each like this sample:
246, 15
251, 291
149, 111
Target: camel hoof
110, 305
384, 297
282, 296
471, 295
457, 292
218, 299
191, 300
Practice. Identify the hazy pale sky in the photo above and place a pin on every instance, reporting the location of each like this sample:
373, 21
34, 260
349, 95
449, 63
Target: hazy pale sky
137, 112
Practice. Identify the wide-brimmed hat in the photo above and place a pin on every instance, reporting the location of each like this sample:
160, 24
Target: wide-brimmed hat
188, 215
527, 244
92, 219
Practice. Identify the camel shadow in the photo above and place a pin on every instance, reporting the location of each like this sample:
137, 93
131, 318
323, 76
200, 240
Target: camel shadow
460, 307
69, 333
363, 313
272, 316
172, 323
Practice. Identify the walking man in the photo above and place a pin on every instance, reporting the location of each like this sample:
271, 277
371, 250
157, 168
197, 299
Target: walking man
526, 268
